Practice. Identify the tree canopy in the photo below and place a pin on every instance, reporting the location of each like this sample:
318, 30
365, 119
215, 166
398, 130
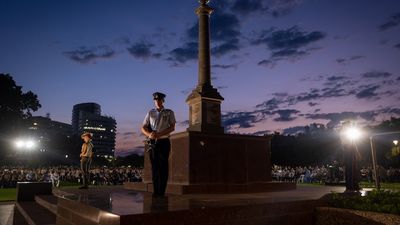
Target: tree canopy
14, 103
324, 146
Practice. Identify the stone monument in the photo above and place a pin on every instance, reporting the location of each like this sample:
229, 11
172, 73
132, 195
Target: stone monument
204, 101
204, 159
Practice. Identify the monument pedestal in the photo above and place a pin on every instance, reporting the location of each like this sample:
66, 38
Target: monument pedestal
202, 163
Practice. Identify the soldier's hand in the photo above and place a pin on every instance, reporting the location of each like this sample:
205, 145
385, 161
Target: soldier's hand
153, 135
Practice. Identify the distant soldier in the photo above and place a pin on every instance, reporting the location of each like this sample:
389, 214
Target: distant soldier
86, 159
157, 126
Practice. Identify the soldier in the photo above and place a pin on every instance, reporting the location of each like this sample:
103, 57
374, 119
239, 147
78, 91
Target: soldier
157, 126
86, 158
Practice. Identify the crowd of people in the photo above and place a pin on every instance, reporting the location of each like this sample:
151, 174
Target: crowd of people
329, 174
302, 174
9, 176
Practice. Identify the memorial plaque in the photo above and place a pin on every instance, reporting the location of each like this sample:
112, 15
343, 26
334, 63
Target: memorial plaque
196, 113
213, 113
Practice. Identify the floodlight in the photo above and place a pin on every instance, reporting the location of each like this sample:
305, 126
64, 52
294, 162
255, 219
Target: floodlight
353, 133
395, 142
19, 143
29, 144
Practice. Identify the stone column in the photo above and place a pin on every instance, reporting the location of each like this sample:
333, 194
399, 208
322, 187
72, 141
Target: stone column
204, 101
203, 12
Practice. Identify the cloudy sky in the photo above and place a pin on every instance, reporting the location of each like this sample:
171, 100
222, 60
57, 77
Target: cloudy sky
279, 64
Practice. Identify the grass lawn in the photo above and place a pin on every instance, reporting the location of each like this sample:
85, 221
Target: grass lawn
386, 186
383, 201
8, 194
310, 184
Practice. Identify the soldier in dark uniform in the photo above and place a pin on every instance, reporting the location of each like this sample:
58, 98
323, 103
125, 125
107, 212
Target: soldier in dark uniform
157, 126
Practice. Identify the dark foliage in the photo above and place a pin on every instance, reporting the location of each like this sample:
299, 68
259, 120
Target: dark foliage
305, 149
376, 201
15, 105
323, 146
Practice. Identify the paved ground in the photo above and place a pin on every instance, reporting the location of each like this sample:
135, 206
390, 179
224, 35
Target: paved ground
6, 213
123, 202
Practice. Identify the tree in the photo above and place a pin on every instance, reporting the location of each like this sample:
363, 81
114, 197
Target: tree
14, 104
14, 107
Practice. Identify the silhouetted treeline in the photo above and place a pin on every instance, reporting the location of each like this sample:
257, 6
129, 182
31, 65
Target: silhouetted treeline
323, 146
305, 149
15, 106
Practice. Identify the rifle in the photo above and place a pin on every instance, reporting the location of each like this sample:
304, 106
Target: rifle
150, 144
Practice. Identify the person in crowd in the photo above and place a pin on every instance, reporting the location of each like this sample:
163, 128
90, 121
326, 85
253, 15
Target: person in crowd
55, 178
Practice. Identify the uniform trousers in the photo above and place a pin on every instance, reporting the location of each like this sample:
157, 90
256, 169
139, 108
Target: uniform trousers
159, 165
85, 167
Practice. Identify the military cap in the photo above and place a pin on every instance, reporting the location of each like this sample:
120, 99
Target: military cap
158, 95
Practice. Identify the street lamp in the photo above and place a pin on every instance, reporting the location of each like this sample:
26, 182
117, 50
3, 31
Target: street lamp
395, 149
373, 153
350, 134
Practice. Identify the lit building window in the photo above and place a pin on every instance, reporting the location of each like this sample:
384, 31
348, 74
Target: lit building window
94, 128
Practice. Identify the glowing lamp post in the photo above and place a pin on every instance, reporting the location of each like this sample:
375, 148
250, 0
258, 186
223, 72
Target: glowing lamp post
350, 135
396, 150
353, 134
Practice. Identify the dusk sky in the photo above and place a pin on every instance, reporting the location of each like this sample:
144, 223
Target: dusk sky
279, 64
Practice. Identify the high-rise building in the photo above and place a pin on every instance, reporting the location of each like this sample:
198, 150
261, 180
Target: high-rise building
44, 126
86, 117
77, 117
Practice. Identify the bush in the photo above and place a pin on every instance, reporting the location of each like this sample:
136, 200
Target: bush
376, 201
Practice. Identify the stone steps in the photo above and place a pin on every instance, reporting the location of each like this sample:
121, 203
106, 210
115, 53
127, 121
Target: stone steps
56, 208
36, 204
287, 219
281, 213
18, 218
35, 214
47, 201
